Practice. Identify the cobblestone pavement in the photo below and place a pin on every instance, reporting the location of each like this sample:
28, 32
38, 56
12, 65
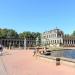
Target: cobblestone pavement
22, 62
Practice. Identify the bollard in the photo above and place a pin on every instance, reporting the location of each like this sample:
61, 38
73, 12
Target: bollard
57, 61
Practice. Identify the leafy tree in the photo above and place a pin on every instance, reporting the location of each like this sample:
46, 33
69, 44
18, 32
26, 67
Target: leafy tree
73, 34
25, 35
0, 34
33, 35
8, 33
21, 35
67, 35
12, 34
4, 33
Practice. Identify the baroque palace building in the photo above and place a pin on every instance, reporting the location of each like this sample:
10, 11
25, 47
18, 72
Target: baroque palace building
56, 38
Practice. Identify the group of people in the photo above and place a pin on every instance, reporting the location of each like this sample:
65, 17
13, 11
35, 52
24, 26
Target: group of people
37, 51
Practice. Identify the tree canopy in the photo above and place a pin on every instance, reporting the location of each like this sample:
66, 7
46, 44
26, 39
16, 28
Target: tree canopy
67, 35
10, 33
29, 35
73, 34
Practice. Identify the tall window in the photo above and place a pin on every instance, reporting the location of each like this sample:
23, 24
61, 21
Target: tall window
72, 41
60, 40
55, 41
47, 36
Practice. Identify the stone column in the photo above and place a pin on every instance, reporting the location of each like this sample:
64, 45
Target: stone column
74, 42
67, 42
9, 45
5, 43
19, 43
13, 44
24, 43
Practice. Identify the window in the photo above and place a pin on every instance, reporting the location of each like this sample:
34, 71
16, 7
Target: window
44, 37
60, 40
68, 41
49, 36
72, 41
55, 41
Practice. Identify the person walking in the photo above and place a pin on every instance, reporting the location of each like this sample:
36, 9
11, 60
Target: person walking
36, 51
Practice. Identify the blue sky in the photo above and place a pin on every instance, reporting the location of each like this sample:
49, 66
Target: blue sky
37, 15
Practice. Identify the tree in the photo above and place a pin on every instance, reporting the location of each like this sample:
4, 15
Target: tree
21, 35
8, 33
73, 34
0, 34
67, 35
25, 35
12, 34
31, 35
34, 35
4, 33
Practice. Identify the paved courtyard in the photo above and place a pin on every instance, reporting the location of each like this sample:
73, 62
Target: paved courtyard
22, 62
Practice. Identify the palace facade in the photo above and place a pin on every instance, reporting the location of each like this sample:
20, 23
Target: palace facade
56, 37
